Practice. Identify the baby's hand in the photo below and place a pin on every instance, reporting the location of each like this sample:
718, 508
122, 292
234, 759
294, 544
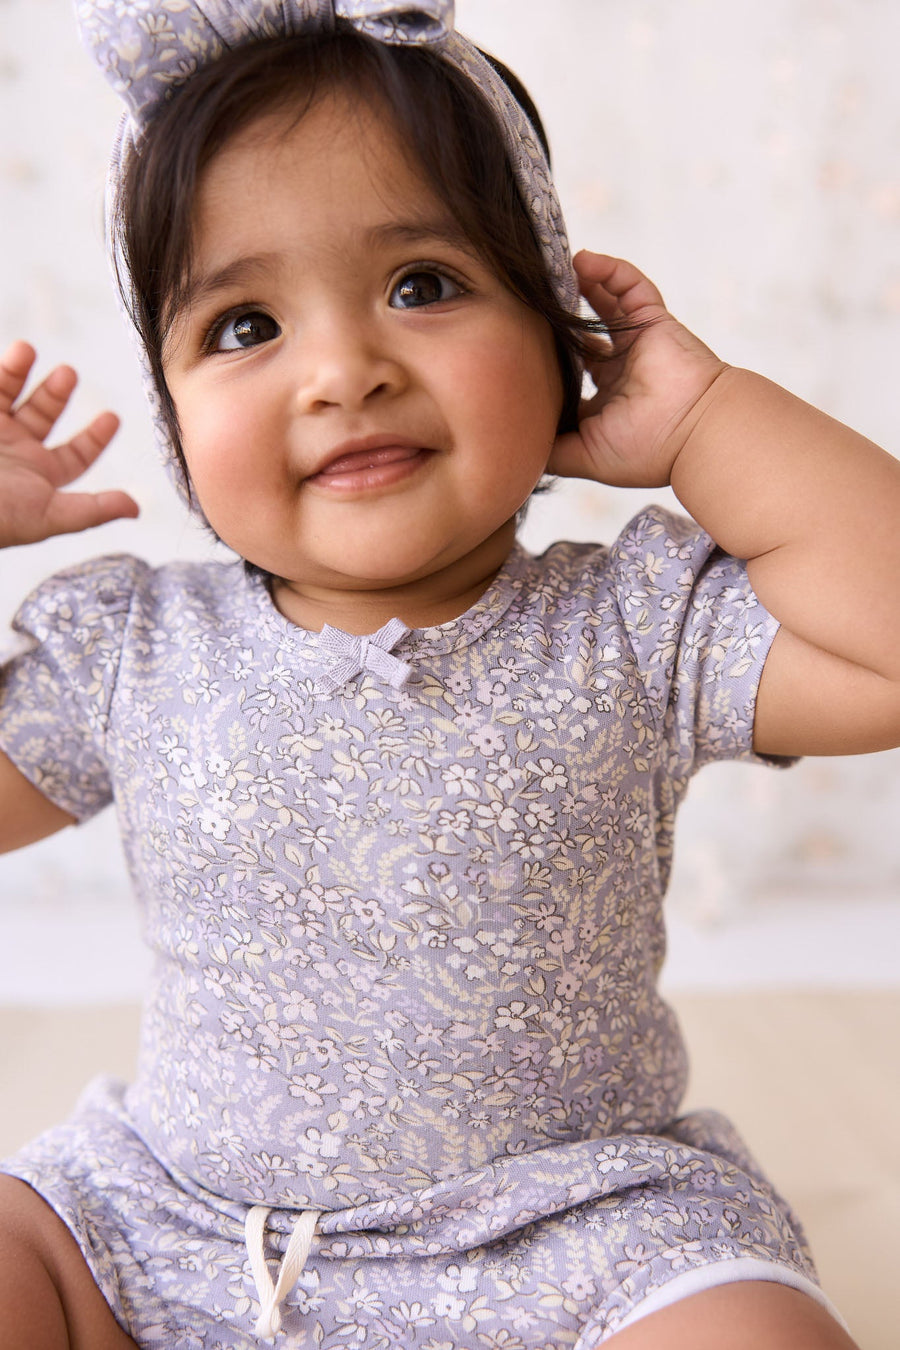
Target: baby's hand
31, 505
649, 394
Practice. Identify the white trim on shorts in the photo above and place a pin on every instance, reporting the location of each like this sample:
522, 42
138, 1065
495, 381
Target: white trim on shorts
727, 1272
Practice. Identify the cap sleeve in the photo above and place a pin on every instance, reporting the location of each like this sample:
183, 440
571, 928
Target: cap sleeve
55, 694
698, 633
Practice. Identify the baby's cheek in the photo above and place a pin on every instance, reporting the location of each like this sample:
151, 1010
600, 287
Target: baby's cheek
218, 441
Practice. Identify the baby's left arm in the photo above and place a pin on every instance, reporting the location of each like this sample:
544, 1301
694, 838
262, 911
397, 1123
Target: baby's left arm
812, 506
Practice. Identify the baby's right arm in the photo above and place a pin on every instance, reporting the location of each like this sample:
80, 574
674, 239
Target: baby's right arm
26, 815
33, 507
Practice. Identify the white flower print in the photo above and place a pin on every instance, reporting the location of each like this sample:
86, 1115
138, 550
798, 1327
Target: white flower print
461, 779
311, 1087
395, 967
562, 940
360, 1071
369, 911
540, 817
488, 739
192, 775
505, 776
457, 823
458, 683
495, 814
567, 986
552, 776
450, 1307
212, 823
468, 716
515, 1015
171, 751
565, 1055
613, 1158
407, 1315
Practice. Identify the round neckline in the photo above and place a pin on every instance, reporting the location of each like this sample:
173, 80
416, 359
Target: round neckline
466, 628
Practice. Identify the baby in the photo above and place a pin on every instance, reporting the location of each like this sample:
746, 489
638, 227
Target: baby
397, 797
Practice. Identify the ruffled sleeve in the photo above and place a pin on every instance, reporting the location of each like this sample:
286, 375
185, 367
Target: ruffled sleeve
55, 696
699, 636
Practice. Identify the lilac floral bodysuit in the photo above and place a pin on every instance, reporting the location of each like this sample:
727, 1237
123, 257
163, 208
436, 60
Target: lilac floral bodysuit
404, 897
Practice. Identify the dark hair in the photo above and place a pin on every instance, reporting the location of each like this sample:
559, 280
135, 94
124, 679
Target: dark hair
444, 121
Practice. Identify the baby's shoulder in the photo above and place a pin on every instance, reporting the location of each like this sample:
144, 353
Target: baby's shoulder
81, 596
655, 540
119, 589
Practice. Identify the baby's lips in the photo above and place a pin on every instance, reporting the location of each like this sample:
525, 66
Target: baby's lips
367, 459
338, 458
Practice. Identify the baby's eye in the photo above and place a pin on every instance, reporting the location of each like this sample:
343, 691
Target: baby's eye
249, 329
423, 288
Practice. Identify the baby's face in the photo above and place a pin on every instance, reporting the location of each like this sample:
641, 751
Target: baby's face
362, 403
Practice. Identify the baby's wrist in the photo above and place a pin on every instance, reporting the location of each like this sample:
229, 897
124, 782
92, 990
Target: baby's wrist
705, 431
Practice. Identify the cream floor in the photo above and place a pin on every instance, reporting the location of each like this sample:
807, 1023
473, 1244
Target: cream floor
811, 1078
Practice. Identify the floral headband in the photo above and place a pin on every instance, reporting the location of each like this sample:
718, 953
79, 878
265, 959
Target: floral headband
147, 48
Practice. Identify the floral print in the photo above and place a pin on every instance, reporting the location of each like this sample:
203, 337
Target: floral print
407, 938
548, 1250
146, 48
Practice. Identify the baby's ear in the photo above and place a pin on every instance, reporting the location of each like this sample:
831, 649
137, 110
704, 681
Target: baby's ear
571, 370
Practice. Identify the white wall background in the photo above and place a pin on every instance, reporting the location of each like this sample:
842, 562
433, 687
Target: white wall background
745, 155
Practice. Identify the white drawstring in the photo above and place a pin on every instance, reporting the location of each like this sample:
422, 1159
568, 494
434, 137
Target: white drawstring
271, 1296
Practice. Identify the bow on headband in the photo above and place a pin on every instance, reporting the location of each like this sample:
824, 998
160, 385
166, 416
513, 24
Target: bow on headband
145, 47
148, 47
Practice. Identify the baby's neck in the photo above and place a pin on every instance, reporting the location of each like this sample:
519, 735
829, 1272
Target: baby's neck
421, 603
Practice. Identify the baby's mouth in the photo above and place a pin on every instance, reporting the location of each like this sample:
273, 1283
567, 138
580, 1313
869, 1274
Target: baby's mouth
357, 461
358, 470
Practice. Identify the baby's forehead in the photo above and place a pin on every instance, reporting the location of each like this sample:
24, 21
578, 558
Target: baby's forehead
331, 162
321, 130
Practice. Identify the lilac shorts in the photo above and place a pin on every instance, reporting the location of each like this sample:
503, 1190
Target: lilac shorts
174, 1264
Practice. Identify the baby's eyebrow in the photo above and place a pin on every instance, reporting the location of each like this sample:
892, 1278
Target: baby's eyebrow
442, 231
239, 272
243, 271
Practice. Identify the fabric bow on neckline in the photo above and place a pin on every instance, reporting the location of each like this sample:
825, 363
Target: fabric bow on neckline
357, 654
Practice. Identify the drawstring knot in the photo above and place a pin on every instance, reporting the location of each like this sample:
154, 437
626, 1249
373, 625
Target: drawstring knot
272, 1295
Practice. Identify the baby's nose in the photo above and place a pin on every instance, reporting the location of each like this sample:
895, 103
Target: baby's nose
343, 364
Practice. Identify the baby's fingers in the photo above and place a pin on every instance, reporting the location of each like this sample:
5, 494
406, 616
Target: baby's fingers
70, 512
15, 364
38, 413
69, 461
615, 288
